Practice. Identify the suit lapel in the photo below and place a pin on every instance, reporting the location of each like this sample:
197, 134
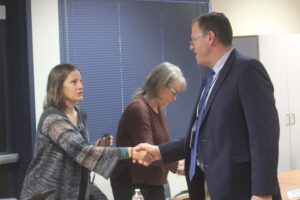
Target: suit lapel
223, 73
191, 134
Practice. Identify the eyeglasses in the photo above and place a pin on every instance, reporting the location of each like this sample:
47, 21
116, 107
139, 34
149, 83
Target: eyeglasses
173, 91
194, 39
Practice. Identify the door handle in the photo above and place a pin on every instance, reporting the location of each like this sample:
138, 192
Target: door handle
293, 119
287, 119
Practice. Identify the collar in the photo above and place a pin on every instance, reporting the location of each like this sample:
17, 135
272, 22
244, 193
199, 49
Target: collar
219, 65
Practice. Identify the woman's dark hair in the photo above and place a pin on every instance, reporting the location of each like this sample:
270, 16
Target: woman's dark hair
56, 78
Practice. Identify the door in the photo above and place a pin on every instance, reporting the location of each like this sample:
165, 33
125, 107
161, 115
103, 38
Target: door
280, 55
292, 52
16, 111
271, 52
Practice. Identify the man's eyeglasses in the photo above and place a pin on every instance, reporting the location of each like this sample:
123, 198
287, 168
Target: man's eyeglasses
194, 39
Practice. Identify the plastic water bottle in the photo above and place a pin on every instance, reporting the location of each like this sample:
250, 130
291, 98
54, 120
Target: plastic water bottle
137, 195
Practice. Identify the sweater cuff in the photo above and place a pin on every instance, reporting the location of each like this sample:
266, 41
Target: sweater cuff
123, 153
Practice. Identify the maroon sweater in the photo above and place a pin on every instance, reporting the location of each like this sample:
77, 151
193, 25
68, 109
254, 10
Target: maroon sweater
139, 123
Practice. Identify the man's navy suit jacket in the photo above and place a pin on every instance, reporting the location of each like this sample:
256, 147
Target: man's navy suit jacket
238, 138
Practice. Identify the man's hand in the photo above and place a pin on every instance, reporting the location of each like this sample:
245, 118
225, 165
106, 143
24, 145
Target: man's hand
140, 155
254, 197
151, 149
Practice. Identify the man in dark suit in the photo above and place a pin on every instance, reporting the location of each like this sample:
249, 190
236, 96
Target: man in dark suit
237, 135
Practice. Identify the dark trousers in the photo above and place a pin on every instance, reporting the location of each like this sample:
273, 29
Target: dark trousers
121, 186
123, 189
151, 192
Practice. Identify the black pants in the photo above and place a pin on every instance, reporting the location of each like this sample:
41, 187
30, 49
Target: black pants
123, 189
121, 185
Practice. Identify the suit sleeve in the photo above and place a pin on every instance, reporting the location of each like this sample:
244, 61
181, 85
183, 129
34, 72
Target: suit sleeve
257, 99
172, 151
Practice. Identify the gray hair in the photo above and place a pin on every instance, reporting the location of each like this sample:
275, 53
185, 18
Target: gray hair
161, 76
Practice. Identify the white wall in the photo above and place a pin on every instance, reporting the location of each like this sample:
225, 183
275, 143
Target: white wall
260, 17
45, 38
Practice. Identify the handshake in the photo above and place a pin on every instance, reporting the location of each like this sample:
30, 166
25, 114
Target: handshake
145, 154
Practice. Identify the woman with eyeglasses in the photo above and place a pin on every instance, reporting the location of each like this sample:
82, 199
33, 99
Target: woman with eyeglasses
144, 120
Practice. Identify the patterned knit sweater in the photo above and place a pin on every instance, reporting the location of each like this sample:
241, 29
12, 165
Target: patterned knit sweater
63, 158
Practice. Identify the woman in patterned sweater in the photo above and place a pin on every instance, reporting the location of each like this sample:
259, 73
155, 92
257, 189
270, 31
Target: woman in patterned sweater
63, 156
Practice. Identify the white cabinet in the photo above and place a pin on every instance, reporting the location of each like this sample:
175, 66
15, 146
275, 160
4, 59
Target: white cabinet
281, 57
280, 54
293, 59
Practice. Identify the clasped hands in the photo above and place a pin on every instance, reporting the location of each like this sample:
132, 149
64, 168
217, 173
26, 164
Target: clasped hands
145, 154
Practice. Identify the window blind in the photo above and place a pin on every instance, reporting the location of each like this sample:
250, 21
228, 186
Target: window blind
117, 43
